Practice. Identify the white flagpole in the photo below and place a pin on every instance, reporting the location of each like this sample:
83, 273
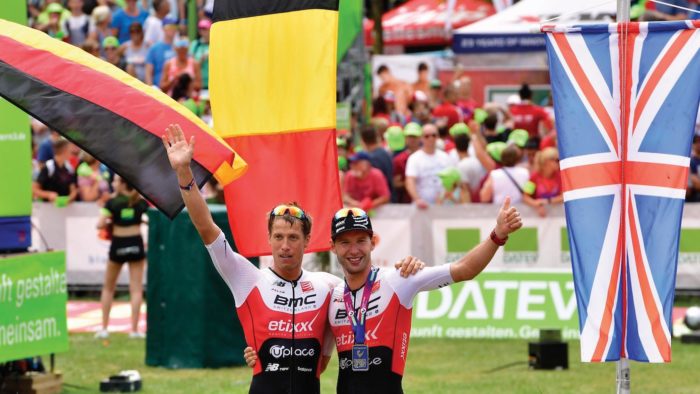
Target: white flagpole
623, 366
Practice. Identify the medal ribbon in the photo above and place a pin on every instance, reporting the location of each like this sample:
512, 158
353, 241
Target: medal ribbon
358, 322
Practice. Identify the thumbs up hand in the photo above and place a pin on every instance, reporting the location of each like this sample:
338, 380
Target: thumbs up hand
508, 220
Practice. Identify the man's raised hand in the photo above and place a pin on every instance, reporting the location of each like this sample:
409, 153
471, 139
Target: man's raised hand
508, 220
179, 150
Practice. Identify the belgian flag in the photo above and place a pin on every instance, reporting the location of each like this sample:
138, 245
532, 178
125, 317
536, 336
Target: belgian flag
107, 113
273, 90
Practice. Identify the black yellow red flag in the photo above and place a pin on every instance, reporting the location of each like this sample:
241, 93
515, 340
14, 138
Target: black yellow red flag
108, 113
273, 90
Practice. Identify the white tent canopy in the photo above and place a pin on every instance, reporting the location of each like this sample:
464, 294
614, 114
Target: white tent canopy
515, 28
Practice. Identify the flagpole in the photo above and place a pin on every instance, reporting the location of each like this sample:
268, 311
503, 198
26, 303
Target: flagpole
623, 366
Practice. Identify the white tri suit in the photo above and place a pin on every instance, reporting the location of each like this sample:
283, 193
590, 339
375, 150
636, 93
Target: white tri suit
387, 331
284, 321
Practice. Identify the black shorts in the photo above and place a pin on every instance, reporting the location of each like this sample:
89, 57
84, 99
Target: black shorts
127, 249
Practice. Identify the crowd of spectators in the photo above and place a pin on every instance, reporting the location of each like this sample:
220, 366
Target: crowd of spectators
446, 148
145, 38
427, 142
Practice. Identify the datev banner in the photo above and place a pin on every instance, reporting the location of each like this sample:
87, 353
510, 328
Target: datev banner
498, 305
33, 305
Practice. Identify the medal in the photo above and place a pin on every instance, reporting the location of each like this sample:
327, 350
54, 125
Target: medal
360, 351
360, 358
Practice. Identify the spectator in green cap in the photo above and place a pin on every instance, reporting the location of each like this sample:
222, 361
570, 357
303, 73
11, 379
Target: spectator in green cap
395, 139
113, 53
508, 180
450, 179
518, 137
495, 149
412, 133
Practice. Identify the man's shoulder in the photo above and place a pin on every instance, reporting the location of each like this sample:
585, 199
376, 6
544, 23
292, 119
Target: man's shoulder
323, 278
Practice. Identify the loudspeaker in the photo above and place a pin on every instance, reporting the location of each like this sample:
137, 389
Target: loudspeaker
548, 355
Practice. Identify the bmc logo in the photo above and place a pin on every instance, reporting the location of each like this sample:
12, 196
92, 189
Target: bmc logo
294, 302
371, 305
278, 351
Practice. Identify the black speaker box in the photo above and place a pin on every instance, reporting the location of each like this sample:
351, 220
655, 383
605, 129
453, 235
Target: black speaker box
548, 355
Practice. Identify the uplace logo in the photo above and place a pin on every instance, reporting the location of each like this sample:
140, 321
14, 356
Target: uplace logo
280, 351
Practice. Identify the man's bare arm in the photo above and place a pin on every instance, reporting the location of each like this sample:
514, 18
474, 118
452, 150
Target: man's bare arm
471, 264
180, 156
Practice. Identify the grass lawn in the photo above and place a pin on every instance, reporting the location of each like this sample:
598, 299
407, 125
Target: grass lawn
434, 366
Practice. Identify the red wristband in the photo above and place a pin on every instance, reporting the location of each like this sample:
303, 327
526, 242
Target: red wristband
496, 240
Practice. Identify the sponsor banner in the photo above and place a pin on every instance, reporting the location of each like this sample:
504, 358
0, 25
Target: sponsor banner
499, 305
486, 43
539, 244
33, 301
437, 236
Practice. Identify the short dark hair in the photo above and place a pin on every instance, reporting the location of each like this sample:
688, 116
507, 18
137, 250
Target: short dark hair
157, 4
60, 145
491, 121
525, 92
509, 157
369, 135
306, 221
462, 142
382, 69
135, 27
422, 66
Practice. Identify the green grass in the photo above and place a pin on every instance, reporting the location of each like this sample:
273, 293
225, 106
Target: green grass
434, 366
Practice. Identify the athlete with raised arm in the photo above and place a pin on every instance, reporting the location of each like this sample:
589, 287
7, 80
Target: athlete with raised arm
373, 340
283, 310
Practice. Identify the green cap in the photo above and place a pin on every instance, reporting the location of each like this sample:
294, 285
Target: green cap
394, 138
495, 149
459, 128
501, 129
435, 83
54, 8
518, 137
84, 169
110, 42
341, 142
413, 129
480, 115
530, 188
342, 163
61, 201
449, 177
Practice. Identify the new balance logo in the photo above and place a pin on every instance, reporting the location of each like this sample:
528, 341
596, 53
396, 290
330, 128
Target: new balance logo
272, 367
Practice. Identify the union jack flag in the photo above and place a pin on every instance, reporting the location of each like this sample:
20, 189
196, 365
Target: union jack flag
626, 98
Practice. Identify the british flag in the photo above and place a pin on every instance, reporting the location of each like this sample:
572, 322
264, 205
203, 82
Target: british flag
626, 98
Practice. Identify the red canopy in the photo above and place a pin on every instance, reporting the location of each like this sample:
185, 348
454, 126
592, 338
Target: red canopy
422, 22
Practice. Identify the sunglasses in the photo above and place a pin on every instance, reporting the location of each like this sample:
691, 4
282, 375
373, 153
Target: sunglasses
283, 209
356, 212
